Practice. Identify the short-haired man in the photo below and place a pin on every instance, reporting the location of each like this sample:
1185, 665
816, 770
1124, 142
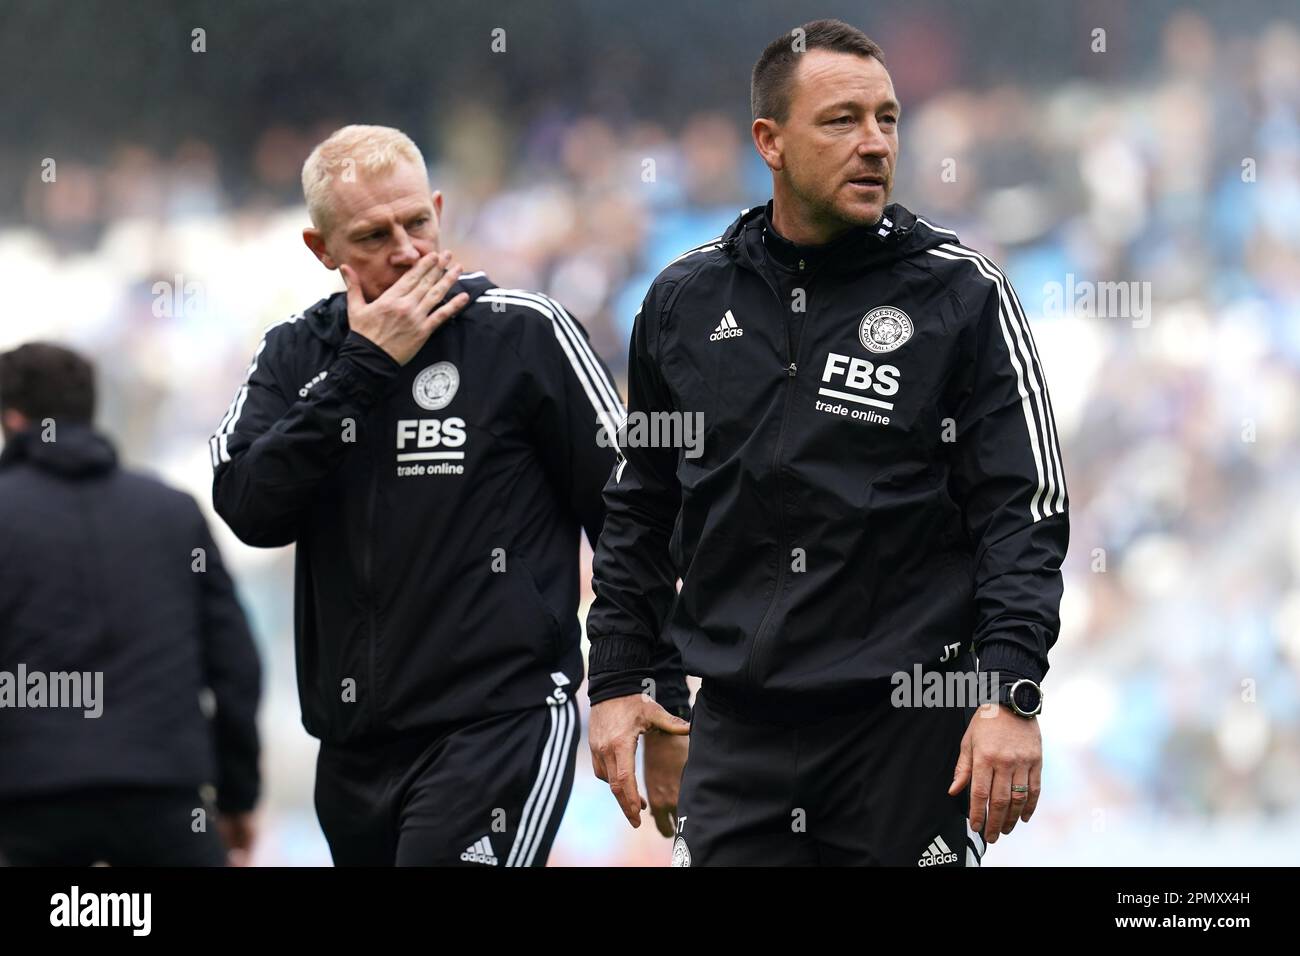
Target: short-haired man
435, 484
880, 494
117, 617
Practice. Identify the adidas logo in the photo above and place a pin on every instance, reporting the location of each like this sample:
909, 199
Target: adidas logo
937, 854
480, 852
727, 328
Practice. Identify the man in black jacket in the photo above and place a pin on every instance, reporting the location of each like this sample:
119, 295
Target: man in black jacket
879, 500
435, 485
117, 618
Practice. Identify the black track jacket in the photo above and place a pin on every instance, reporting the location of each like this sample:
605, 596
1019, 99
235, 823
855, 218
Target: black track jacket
436, 507
107, 575
880, 477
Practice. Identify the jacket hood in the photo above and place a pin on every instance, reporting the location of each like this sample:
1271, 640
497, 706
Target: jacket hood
78, 451
328, 319
897, 235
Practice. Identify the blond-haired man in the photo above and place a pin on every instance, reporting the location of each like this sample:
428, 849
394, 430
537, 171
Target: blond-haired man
430, 443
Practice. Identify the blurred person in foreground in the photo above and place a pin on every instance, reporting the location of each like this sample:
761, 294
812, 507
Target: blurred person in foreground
116, 618
879, 509
430, 443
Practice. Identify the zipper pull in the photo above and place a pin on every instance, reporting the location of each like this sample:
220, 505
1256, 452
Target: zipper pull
792, 369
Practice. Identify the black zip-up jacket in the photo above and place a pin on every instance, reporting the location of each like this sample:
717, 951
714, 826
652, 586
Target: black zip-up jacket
880, 484
105, 570
436, 507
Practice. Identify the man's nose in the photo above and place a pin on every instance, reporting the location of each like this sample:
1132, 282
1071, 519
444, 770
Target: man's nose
874, 142
404, 251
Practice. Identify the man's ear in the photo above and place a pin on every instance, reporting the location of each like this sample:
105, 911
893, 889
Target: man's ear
437, 205
767, 140
315, 241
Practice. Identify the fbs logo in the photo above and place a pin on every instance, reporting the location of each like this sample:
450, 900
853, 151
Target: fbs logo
728, 328
937, 854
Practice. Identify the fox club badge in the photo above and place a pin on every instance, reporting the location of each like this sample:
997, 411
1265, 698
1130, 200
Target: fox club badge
884, 329
681, 853
436, 386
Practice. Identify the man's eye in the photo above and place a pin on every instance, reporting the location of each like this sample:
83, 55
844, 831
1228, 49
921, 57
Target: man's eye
419, 222
842, 119
889, 119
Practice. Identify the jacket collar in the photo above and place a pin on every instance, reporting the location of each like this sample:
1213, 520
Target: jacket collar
751, 241
800, 258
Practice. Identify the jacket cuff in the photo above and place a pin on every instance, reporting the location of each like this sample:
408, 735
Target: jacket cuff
363, 370
671, 692
1009, 659
237, 796
619, 666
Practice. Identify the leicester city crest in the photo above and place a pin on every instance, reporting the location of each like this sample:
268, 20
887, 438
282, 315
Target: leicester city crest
884, 329
436, 386
681, 853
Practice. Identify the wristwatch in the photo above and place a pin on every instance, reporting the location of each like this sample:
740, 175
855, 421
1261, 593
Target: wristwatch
1023, 696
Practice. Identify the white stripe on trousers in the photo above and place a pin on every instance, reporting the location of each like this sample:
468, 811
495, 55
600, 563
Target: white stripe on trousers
975, 846
550, 777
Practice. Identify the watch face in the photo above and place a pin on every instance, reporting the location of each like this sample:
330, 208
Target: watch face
1026, 696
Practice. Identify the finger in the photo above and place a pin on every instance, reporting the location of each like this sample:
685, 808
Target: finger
664, 819
436, 269
438, 290
356, 299
1035, 787
598, 764
981, 779
623, 782
412, 277
961, 774
1020, 778
999, 803
660, 719
444, 312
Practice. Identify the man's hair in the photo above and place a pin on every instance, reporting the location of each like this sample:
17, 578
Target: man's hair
769, 86
43, 380
348, 152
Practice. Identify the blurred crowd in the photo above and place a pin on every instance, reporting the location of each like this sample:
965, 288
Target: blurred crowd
1173, 705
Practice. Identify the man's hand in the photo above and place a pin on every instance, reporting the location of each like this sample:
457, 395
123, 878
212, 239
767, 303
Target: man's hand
665, 756
998, 752
615, 726
238, 832
401, 320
